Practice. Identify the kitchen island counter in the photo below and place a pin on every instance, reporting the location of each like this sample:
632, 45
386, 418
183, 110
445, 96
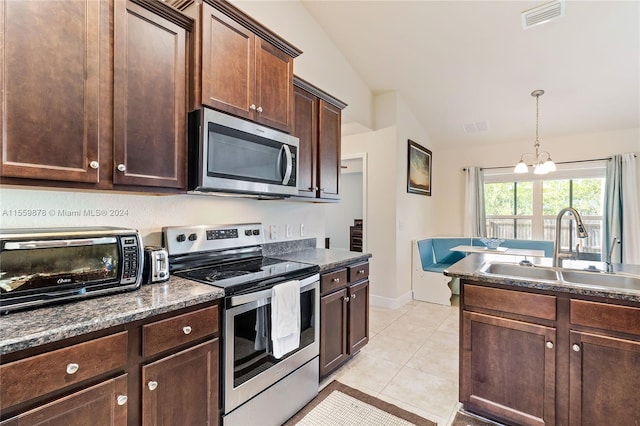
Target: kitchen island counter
468, 268
29, 328
326, 259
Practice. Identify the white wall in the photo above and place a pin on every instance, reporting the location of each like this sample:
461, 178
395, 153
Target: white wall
448, 187
148, 213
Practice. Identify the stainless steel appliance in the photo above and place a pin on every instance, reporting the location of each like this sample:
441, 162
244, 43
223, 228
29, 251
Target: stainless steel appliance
258, 388
232, 155
156, 265
41, 266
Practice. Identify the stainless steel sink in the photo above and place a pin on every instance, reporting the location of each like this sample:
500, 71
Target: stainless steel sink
513, 270
619, 280
599, 279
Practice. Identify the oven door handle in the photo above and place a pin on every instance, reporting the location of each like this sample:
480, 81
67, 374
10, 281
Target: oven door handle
305, 284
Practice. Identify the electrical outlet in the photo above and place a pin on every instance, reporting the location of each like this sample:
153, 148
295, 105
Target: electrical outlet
302, 229
273, 232
287, 230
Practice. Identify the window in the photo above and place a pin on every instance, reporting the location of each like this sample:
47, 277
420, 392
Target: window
525, 206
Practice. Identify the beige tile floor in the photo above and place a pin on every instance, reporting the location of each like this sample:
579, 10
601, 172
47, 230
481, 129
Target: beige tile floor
411, 359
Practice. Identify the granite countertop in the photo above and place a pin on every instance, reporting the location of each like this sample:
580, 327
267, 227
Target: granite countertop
24, 329
326, 259
468, 268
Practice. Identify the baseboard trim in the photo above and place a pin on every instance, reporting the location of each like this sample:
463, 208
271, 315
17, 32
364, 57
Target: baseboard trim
389, 303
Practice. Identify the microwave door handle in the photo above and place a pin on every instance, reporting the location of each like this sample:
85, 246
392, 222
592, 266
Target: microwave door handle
27, 245
287, 172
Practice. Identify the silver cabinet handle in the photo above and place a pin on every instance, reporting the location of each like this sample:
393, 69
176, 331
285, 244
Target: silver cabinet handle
576, 347
336, 280
361, 271
122, 168
346, 299
72, 368
152, 385
550, 345
122, 399
252, 107
186, 329
353, 296
259, 109
94, 164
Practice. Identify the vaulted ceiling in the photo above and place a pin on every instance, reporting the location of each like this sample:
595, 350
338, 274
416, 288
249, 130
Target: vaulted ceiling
470, 63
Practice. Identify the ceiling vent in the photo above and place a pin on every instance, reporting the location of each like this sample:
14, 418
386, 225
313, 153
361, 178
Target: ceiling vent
478, 126
542, 14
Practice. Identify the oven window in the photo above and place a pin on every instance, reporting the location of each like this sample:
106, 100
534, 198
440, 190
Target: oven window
234, 154
252, 344
24, 270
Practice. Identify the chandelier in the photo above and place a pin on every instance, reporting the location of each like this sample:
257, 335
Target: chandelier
542, 163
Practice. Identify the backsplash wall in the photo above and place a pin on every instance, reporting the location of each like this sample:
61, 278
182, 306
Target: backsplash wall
40, 208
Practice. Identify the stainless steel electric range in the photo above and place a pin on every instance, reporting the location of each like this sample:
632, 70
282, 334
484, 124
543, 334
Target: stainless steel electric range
258, 388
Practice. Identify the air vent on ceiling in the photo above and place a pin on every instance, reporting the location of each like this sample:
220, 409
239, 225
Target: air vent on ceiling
542, 14
478, 126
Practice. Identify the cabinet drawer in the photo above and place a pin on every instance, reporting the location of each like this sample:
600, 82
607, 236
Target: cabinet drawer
605, 316
172, 332
38, 375
358, 272
333, 281
515, 302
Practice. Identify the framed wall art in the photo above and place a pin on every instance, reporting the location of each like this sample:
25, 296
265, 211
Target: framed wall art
418, 169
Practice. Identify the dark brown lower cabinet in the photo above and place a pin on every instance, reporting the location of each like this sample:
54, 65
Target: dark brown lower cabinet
508, 368
182, 388
604, 380
344, 315
105, 404
548, 358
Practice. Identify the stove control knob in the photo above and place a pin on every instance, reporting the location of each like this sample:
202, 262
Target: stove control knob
193, 237
256, 232
181, 238
247, 232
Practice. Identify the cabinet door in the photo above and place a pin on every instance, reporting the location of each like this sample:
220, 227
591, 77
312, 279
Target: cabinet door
604, 380
329, 151
274, 86
50, 73
104, 404
508, 369
182, 389
150, 99
228, 64
333, 330
358, 316
306, 129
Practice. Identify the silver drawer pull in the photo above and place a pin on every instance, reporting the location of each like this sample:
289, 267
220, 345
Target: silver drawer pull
186, 329
576, 347
72, 368
353, 296
122, 399
550, 345
152, 385
94, 164
361, 271
346, 299
336, 280
259, 109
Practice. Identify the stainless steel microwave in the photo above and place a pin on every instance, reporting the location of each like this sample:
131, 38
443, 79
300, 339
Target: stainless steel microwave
232, 155
41, 266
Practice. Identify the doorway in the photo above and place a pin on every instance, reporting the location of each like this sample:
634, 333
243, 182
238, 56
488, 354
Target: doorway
351, 211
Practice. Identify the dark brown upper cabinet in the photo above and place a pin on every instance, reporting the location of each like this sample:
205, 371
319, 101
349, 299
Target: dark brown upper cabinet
317, 125
50, 73
88, 108
150, 96
240, 67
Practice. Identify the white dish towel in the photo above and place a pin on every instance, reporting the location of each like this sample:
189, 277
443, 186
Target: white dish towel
285, 317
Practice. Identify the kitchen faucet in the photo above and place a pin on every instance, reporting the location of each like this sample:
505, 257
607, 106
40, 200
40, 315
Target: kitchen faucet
582, 233
608, 261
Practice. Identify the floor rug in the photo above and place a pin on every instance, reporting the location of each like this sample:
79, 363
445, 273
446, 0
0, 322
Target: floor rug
340, 405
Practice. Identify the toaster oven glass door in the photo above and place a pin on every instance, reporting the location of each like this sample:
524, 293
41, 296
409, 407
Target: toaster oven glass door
35, 266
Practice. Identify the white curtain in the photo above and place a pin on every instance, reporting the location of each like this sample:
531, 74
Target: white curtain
474, 219
622, 211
